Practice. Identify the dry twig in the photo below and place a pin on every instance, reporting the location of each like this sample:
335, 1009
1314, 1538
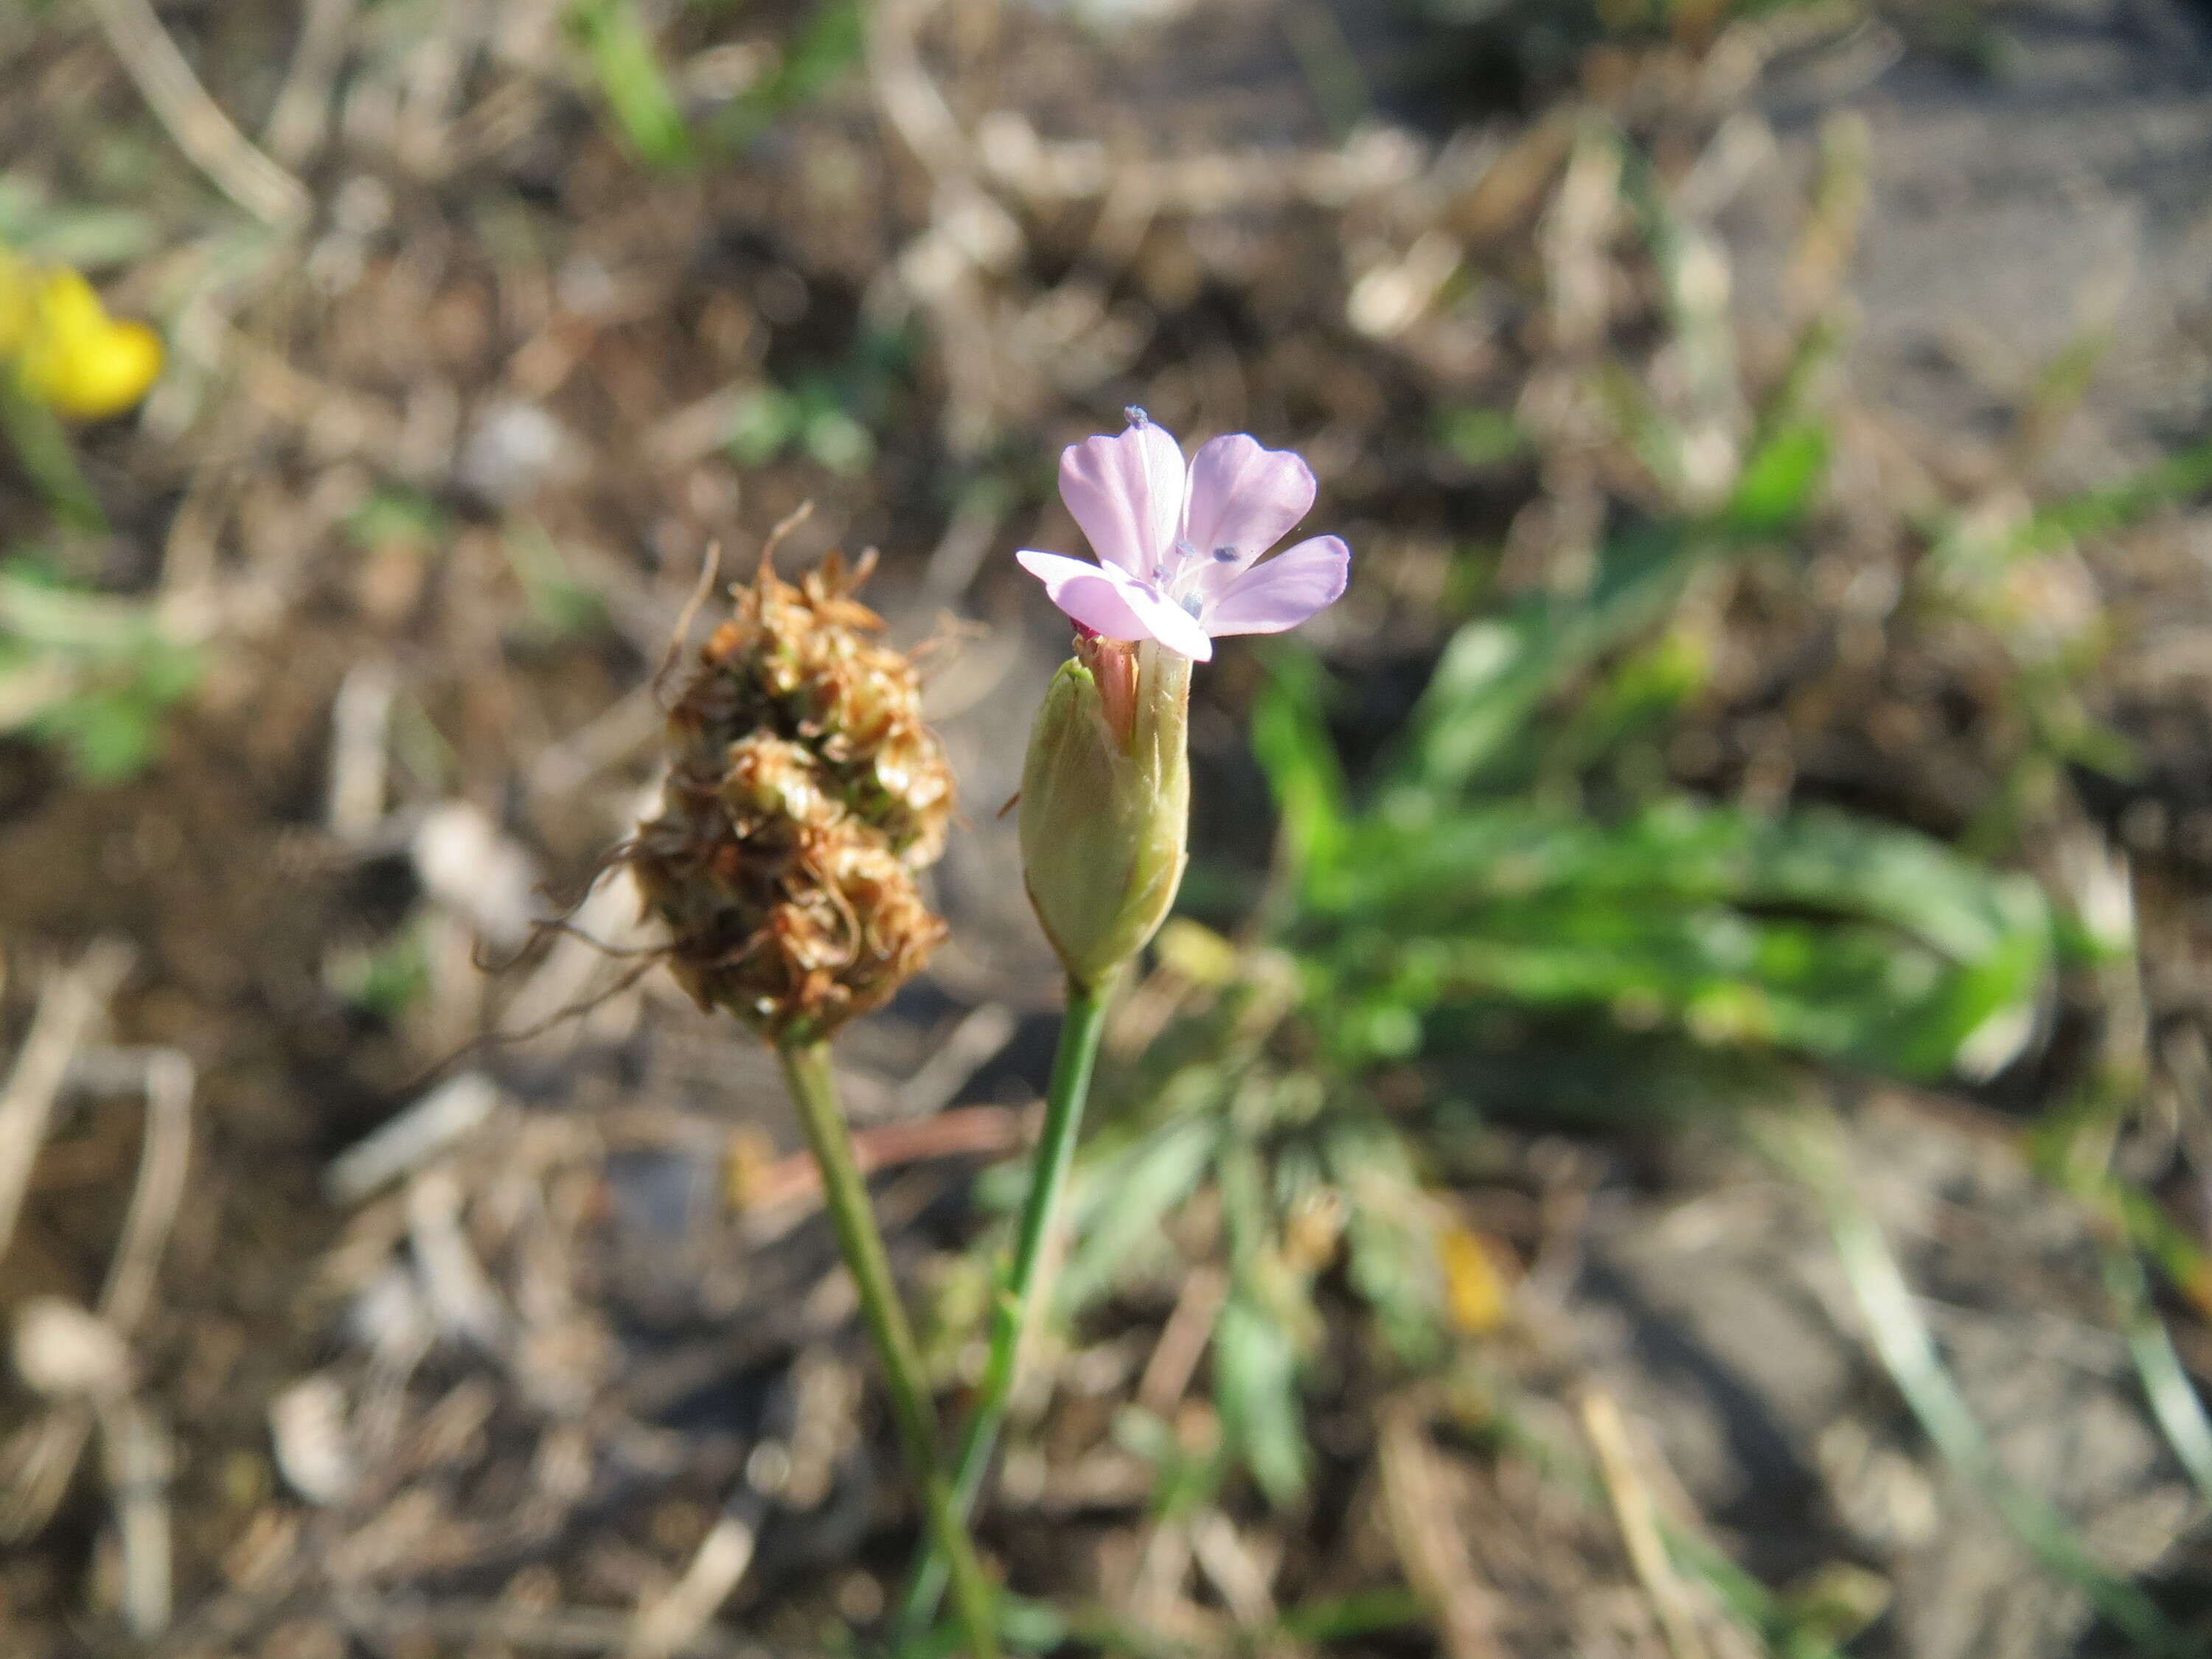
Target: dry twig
772, 1196
1438, 1563
1639, 1519
301, 113
139, 1461
670, 1624
72, 999
202, 131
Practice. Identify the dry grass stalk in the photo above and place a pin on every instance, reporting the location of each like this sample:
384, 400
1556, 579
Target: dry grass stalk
770, 1195
200, 128
300, 115
68, 1005
1638, 1520
670, 1624
1426, 1533
1183, 1340
138, 1460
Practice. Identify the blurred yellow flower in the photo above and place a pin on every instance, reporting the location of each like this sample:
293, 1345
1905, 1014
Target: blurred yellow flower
71, 354
1476, 1295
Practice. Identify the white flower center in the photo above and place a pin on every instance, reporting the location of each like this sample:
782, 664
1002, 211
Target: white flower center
1177, 577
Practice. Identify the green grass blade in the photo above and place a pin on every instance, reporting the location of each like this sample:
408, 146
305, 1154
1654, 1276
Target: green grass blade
1497, 672
2172, 1396
1901, 1340
626, 63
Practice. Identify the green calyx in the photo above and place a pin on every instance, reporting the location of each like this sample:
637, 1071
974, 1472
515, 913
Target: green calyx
1105, 803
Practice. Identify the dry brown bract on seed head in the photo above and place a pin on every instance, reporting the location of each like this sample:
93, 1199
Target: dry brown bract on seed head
804, 792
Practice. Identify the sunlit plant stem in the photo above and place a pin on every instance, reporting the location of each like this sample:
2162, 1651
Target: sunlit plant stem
1017, 1305
806, 1070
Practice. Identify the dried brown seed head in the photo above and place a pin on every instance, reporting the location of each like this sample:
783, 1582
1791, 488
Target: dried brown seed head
803, 795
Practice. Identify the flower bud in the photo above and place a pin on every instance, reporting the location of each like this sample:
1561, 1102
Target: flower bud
1105, 802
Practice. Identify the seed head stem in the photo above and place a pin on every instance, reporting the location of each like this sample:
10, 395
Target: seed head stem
806, 1070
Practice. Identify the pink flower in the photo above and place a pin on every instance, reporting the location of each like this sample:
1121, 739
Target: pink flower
1179, 552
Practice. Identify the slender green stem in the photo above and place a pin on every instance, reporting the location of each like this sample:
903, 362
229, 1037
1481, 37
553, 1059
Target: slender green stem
1017, 1305
806, 1069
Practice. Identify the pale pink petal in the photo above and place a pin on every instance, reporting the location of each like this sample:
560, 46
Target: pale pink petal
1284, 591
1166, 620
1113, 603
1242, 500
1126, 493
1084, 592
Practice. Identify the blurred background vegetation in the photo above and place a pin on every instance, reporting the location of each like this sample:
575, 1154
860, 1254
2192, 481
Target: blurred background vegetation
1675, 1117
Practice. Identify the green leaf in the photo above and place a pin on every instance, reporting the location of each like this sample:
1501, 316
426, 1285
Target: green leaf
108, 736
395, 515
823, 51
1389, 1242
1683, 850
766, 419
1122, 1201
1778, 484
388, 978
1347, 1617
1820, 933
1646, 686
90, 238
1497, 672
1184, 1479
627, 62
1256, 1387
2093, 513
1292, 744
47, 454
838, 442
559, 607
1481, 436
89, 672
